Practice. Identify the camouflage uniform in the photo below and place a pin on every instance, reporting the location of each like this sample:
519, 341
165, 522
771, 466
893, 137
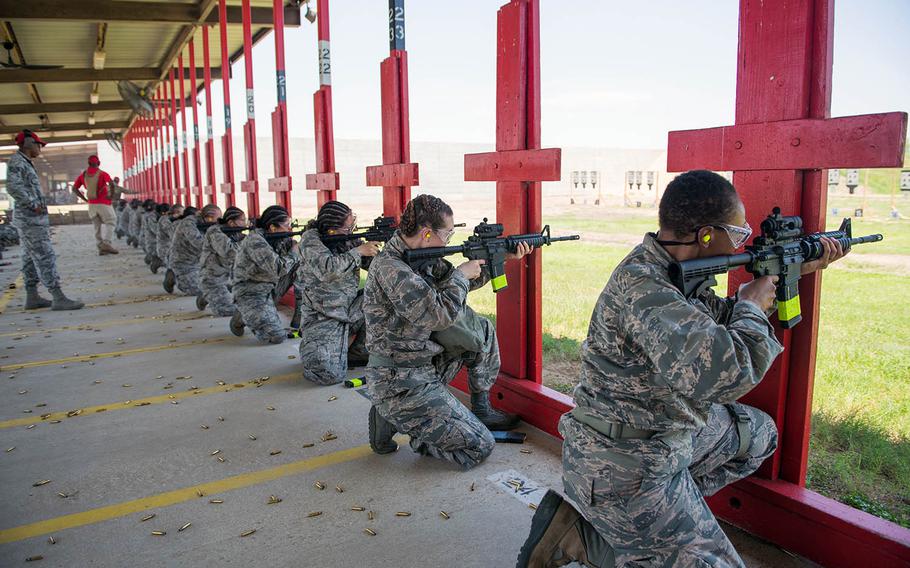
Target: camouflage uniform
39, 263
186, 250
670, 367
136, 216
123, 221
331, 308
403, 308
257, 270
165, 238
218, 252
150, 229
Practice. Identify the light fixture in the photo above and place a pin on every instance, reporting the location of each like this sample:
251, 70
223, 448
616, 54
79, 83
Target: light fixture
98, 59
89, 134
94, 97
91, 119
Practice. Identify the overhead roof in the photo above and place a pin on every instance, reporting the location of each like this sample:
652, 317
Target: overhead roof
141, 40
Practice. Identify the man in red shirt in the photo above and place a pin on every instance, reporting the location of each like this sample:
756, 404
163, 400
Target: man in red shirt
98, 195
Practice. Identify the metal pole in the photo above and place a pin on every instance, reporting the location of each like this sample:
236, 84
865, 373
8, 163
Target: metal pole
251, 185
227, 143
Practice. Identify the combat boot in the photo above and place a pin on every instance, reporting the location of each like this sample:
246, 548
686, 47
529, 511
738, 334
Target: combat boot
489, 416
169, 280
34, 301
106, 248
156, 264
381, 433
201, 302
61, 302
237, 324
560, 536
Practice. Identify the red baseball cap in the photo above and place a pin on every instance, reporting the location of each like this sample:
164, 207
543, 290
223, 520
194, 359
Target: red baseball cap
20, 138
94, 161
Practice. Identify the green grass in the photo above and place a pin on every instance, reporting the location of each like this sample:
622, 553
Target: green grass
860, 444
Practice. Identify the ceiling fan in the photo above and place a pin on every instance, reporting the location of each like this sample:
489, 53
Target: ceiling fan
8, 64
114, 139
136, 97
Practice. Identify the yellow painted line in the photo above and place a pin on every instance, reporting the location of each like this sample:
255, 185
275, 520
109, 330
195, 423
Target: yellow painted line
110, 323
121, 301
96, 356
140, 402
169, 498
10, 293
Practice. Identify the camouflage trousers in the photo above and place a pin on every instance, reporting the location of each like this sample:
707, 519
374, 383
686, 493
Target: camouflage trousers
187, 278
217, 294
418, 402
646, 497
324, 344
257, 307
39, 262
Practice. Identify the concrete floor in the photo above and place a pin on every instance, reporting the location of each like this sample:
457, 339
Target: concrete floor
125, 360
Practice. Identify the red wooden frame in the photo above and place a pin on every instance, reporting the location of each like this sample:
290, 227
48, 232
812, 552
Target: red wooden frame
281, 155
227, 142
250, 186
197, 151
326, 181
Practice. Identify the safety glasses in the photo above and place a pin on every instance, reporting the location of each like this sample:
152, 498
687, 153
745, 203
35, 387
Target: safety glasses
738, 235
445, 236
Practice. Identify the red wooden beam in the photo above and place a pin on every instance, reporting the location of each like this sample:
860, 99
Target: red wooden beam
187, 194
281, 155
211, 184
393, 175
197, 151
326, 180
396, 136
227, 143
251, 185
847, 142
515, 165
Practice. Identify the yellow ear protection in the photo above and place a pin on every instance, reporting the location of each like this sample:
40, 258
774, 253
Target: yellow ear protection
427, 236
706, 239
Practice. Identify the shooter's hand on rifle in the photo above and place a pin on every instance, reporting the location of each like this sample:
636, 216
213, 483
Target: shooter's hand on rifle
472, 268
833, 251
368, 248
760, 292
521, 250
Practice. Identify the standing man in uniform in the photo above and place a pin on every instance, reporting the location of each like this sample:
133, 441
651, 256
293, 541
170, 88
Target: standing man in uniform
39, 263
657, 427
98, 192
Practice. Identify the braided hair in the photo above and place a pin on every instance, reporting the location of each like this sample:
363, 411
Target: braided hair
189, 212
696, 199
332, 215
424, 211
273, 215
230, 214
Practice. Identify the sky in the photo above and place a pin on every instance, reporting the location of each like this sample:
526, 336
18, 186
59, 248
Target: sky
614, 74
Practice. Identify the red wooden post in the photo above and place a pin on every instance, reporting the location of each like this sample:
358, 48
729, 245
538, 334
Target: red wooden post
782, 139
397, 175
146, 161
165, 193
281, 183
178, 197
197, 151
211, 186
187, 193
170, 154
326, 181
227, 143
250, 186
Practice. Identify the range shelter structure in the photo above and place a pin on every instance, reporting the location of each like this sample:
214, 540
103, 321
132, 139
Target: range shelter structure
782, 142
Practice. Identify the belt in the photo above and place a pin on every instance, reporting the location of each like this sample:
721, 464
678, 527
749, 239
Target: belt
612, 430
383, 361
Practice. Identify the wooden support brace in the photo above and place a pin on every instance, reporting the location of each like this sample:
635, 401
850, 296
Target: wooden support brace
227, 188
323, 182
514, 165
280, 185
393, 175
866, 141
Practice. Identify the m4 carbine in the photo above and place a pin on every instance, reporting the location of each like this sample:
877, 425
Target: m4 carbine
381, 231
487, 243
780, 251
